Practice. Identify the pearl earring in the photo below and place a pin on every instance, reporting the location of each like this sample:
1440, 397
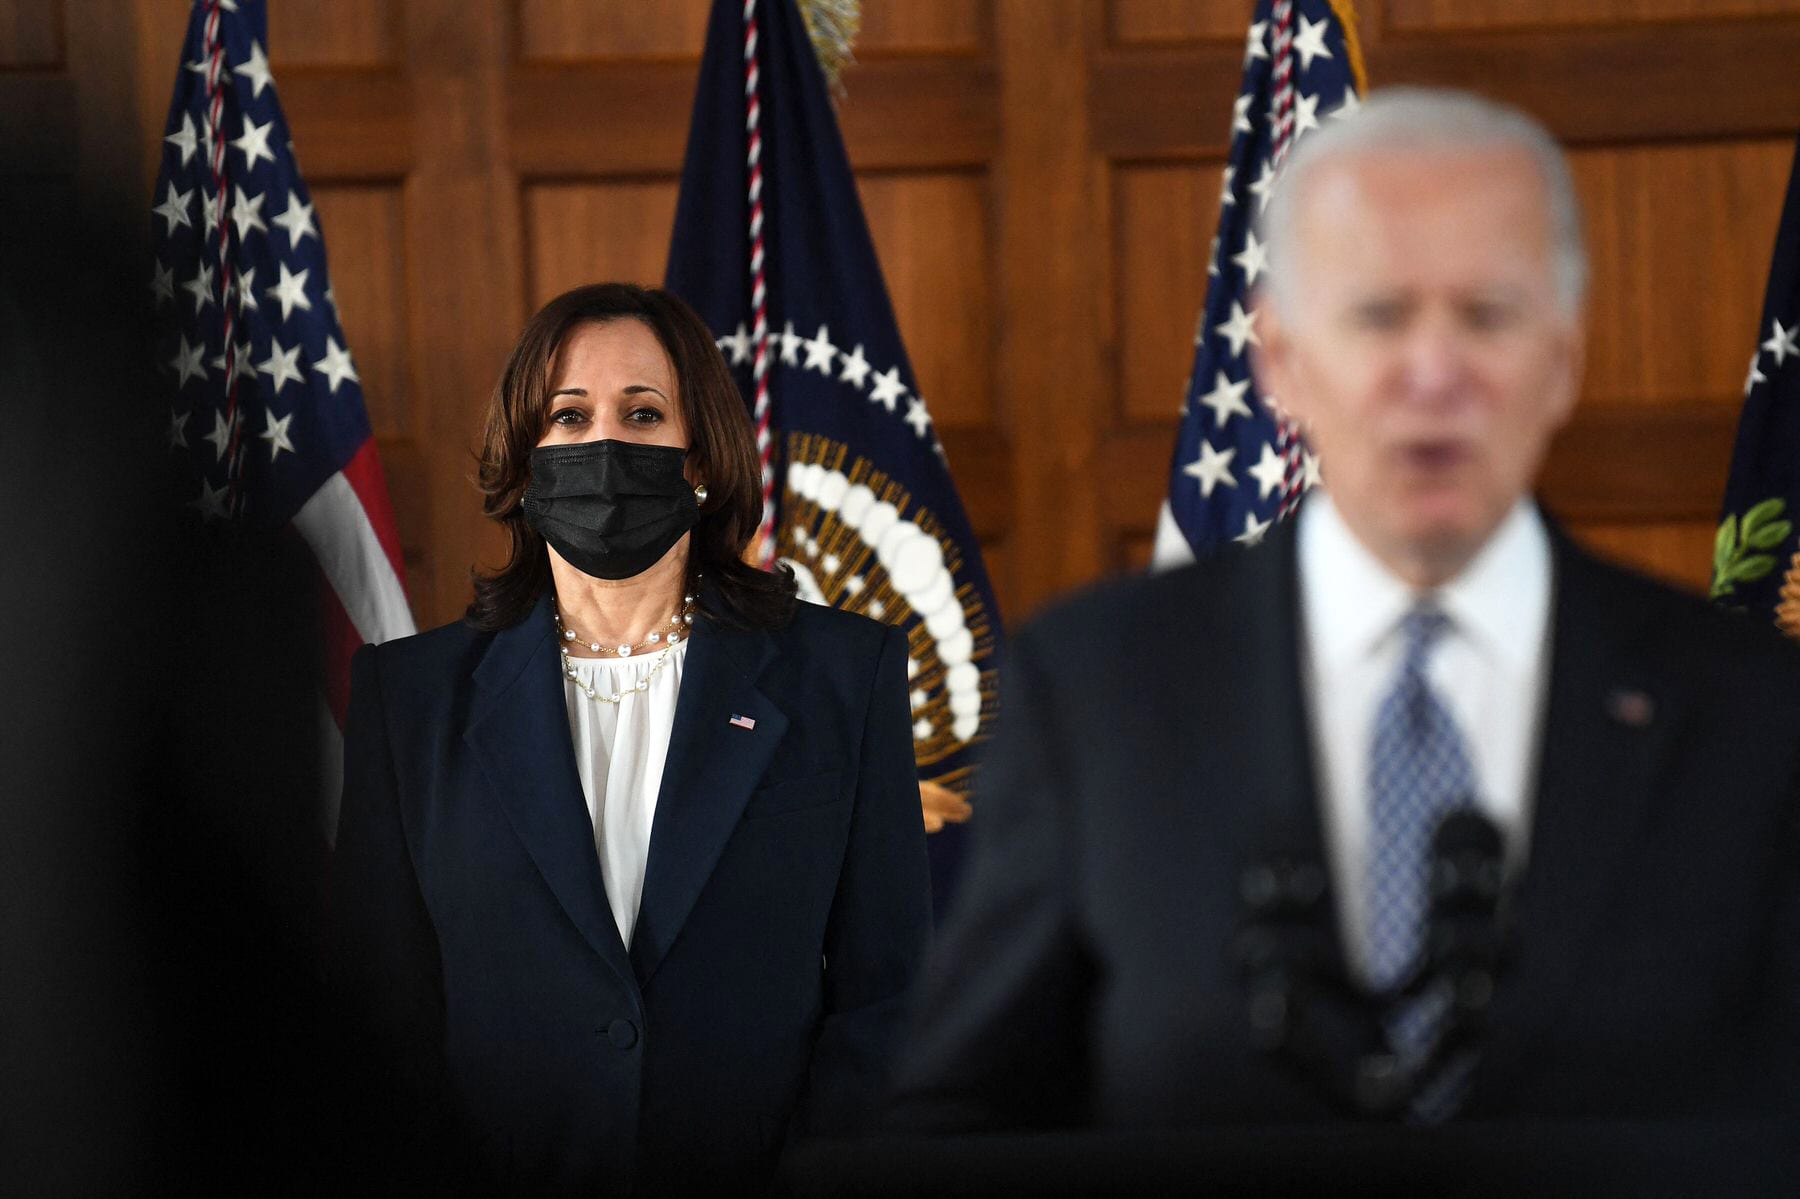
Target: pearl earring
700, 494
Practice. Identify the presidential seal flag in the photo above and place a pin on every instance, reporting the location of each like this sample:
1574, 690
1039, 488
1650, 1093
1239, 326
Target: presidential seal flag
1756, 563
771, 247
268, 428
1238, 465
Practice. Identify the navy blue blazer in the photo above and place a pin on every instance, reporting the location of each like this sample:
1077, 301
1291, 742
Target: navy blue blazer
785, 910
1087, 976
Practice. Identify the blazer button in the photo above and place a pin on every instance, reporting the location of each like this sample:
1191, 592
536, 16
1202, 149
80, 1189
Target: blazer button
622, 1034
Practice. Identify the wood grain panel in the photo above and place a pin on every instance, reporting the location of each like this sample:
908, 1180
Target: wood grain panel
351, 123
1163, 221
931, 234
580, 233
922, 26
1680, 238
1678, 552
365, 235
576, 30
332, 33
1141, 22
1437, 16
569, 120
586, 30
31, 34
1606, 85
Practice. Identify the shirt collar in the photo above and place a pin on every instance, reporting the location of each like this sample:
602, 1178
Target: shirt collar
1500, 600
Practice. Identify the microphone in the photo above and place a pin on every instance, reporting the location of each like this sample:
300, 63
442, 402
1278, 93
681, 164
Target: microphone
1464, 937
1300, 1011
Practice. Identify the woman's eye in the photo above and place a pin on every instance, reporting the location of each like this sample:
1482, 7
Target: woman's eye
645, 416
567, 416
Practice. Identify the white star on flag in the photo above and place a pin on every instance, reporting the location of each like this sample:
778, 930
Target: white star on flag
1264, 185
275, 432
211, 207
240, 364
1756, 376
163, 283
1253, 44
1225, 196
256, 71
1211, 468
738, 342
888, 389
336, 365
1309, 43
1783, 342
1226, 399
1239, 329
820, 352
174, 209
1309, 470
1253, 530
1306, 113
282, 366
1254, 257
177, 429
297, 220
1240, 114
790, 344
1269, 472
187, 362
246, 213
1349, 108
254, 142
917, 417
290, 290
210, 502
184, 138
221, 432
200, 286
243, 290
856, 368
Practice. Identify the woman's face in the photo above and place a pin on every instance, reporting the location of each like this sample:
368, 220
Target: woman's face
613, 380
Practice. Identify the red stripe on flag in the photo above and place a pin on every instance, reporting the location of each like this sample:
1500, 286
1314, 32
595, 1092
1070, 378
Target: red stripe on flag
366, 479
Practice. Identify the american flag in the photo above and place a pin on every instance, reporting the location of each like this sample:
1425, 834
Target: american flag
1755, 560
1238, 467
268, 427
772, 249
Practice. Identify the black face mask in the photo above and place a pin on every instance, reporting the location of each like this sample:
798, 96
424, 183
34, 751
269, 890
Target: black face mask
612, 508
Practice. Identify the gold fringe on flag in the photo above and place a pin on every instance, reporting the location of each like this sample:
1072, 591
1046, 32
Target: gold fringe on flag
1345, 12
833, 26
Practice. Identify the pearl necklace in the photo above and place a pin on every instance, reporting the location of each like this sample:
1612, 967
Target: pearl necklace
679, 624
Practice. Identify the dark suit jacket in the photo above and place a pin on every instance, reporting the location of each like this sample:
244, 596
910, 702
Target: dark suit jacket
785, 908
1155, 743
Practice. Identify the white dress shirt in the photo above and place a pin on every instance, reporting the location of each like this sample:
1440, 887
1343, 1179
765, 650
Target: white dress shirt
619, 753
1489, 668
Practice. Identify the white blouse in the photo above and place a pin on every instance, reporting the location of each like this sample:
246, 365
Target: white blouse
619, 752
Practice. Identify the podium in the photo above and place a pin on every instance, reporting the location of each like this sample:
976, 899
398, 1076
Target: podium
1587, 1158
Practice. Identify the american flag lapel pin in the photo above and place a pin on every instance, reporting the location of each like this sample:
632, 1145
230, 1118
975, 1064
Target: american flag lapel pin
743, 722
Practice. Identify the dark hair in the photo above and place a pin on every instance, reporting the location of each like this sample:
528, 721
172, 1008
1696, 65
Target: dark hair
722, 449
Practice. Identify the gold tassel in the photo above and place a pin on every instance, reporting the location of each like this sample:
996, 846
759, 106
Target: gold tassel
833, 26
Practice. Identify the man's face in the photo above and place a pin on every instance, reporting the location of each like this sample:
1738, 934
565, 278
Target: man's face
1424, 350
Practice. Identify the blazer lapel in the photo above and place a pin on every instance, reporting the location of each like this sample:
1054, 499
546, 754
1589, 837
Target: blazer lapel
725, 734
1606, 726
1281, 812
519, 730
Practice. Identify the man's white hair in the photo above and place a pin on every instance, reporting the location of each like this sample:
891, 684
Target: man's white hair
1429, 120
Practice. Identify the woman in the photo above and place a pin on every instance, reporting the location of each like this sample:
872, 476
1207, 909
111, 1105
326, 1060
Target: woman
630, 869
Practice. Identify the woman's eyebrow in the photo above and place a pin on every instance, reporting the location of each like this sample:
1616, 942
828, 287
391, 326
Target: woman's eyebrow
635, 388
569, 391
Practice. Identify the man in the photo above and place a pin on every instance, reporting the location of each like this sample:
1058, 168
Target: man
1419, 642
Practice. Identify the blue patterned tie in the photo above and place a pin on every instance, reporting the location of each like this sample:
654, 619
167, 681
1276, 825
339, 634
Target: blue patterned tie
1418, 773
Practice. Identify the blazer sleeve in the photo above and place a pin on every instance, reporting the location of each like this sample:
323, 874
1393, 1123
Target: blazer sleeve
880, 923
999, 1035
385, 982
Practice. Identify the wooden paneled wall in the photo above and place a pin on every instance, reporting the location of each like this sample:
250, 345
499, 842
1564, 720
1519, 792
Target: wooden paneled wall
1041, 178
